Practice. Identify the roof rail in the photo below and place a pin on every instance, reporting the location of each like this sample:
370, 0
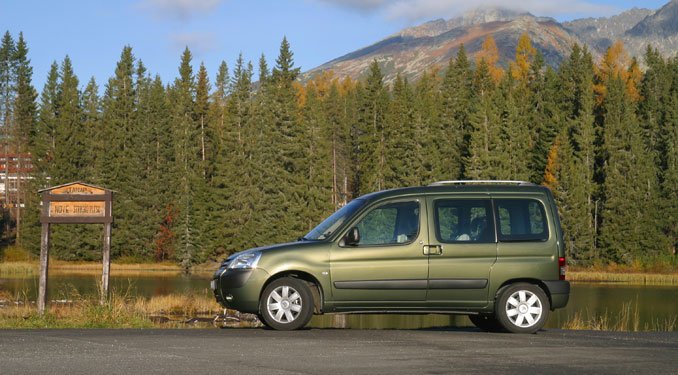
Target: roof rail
471, 182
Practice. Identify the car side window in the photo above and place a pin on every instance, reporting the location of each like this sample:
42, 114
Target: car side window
392, 223
464, 220
521, 220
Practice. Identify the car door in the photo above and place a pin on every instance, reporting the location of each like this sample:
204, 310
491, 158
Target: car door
387, 266
462, 250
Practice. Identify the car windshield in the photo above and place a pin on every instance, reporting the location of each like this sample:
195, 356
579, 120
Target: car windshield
332, 223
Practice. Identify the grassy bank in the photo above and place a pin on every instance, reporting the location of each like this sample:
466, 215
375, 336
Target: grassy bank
626, 319
32, 268
123, 311
626, 278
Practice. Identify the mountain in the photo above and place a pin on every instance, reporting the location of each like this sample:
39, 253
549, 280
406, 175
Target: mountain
600, 33
414, 50
636, 28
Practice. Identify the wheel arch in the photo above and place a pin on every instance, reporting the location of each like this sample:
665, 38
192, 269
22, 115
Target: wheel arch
536, 282
312, 281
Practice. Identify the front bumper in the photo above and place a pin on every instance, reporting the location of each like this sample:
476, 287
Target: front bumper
239, 289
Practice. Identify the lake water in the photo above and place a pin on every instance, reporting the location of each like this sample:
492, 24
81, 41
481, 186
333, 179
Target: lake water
653, 303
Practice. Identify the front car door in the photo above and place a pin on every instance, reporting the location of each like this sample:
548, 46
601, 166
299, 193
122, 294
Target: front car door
387, 267
462, 248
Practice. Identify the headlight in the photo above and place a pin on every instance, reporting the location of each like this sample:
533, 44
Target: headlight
245, 261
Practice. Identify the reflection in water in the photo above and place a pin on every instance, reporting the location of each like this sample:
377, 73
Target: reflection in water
654, 303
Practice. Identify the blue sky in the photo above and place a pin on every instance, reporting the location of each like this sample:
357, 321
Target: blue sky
93, 32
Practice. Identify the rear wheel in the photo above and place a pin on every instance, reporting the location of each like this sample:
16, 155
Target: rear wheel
486, 322
522, 308
286, 304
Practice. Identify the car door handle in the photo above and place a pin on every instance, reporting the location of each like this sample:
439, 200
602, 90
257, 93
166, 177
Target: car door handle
433, 249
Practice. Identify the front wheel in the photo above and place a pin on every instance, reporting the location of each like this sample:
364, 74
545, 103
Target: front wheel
522, 308
286, 304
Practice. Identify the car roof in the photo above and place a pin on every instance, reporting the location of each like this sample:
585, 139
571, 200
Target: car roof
485, 188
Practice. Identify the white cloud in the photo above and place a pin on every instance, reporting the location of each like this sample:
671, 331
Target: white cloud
366, 5
198, 42
179, 9
421, 10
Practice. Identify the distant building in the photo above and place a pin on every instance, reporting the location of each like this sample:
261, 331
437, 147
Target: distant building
15, 172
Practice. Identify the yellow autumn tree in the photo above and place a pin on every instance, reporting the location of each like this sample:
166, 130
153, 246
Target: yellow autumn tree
346, 85
617, 63
322, 82
490, 54
525, 53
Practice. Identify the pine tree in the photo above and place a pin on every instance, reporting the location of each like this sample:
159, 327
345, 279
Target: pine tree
319, 158
282, 162
657, 111
71, 140
401, 154
337, 133
370, 145
629, 230
456, 96
575, 186
24, 127
7, 80
485, 120
182, 99
512, 153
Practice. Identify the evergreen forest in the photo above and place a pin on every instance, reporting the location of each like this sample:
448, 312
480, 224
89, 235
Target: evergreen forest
217, 162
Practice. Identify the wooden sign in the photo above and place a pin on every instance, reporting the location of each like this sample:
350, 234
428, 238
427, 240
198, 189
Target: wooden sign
77, 209
74, 203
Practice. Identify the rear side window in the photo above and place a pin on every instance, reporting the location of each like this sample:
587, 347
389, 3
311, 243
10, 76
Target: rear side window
464, 220
521, 220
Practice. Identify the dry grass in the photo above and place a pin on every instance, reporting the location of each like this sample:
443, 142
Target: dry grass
198, 310
628, 278
32, 268
18, 268
627, 319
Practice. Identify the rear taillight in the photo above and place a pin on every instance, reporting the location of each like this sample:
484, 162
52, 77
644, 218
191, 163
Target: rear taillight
562, 267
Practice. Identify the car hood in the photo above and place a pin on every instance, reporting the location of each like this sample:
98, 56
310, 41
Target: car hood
270, 248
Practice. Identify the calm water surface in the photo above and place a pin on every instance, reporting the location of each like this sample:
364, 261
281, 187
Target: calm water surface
654, 303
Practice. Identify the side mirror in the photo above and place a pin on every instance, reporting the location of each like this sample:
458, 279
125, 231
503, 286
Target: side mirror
352, 238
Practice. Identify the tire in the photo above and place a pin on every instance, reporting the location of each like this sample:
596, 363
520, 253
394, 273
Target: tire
522, 308
286, 304
263, 322
486, 323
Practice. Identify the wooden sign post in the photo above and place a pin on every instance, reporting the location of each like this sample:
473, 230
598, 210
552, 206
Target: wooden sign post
74, 203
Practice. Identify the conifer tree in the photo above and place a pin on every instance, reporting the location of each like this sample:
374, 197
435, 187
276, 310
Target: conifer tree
284, 160
118, 166
485, 122
456, 96
489, 55
512, 150
629, 230
370, 145
23, 128
187, 148
319, 162
428, 133
401, 157
574, 188
337, 133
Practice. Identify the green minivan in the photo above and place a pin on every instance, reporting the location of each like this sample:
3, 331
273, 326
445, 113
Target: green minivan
492, 250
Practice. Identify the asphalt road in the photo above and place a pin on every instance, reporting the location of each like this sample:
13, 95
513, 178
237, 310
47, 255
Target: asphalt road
333, 351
